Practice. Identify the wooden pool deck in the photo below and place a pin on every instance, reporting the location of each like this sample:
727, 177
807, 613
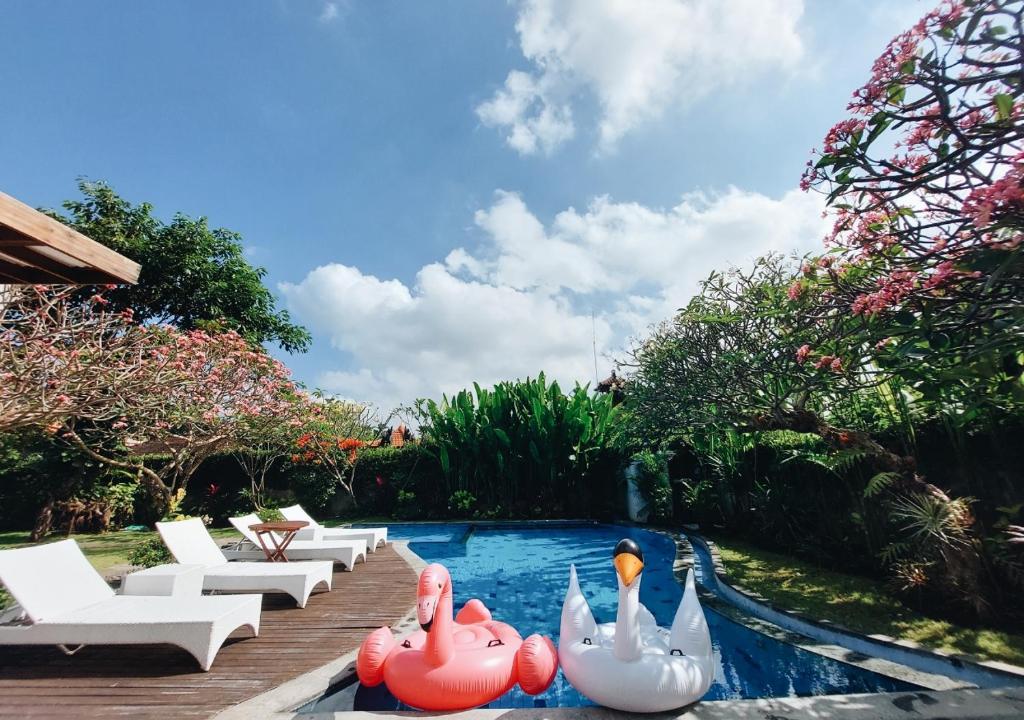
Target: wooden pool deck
159, 681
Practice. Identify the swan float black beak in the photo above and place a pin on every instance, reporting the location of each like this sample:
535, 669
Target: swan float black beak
629, 561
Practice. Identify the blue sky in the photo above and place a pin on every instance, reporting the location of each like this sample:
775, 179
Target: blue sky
448, 191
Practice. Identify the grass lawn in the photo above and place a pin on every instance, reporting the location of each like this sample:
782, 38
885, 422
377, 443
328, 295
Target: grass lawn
856, 602
104, 550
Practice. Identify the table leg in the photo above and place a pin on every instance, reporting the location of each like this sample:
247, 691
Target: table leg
286, 540
263, 544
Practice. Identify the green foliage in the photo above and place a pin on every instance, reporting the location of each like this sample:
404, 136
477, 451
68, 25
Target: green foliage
35, 470
462, 503
119, 499
193, 276
879, 482
652, 480
312, 487
150, 553
406, 506
860, 603
386, 471
270, 514
524, 445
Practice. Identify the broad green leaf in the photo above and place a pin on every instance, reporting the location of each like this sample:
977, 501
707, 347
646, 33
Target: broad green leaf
1004, 106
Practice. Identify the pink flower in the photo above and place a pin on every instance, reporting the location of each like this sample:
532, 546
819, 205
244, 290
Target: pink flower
802, 352
795, 290
823, 361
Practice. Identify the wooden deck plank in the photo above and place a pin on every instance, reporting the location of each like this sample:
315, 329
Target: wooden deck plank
159, 681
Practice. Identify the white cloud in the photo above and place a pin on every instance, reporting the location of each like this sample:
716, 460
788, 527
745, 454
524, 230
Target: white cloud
636, 58
332, 11
521, 300
438, 336
526, 107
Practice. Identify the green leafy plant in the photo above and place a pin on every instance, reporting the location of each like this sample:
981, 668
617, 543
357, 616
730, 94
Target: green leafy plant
652, 480
462, 503
150, 553
406, 506
521, 442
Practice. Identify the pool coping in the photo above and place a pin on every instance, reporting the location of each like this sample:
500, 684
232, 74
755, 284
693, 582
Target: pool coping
804, 624
840, 653
967, 703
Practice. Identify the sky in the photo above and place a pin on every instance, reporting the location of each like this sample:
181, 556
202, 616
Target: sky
449, 192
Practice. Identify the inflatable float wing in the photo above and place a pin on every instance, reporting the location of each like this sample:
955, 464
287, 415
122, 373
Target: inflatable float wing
454, 664
632, 664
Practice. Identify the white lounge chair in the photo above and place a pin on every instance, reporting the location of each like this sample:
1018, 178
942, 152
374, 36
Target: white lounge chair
375, 537
190, 544
68, 603
347, 552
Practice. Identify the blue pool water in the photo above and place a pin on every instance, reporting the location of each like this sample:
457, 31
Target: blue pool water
521, 571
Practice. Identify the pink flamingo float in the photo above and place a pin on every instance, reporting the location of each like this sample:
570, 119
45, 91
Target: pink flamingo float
454, 664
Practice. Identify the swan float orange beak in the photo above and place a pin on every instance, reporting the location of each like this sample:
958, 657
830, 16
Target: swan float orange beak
629, 561
428, 593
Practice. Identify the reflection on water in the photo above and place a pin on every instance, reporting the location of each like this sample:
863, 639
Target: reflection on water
521, 573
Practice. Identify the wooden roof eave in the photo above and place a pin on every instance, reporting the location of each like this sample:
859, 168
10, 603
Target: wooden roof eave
35, 248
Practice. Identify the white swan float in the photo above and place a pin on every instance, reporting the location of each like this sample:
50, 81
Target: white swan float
632, 664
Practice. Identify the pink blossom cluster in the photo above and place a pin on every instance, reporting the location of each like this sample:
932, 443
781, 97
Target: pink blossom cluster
801, 354
795, 290
889, 67
829, 362
891, 290
1005, 195
840, 133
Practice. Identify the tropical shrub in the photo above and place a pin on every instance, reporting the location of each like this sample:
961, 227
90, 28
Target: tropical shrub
407, 507
150, 553
525, 446
652, 480
462, 503
312, 488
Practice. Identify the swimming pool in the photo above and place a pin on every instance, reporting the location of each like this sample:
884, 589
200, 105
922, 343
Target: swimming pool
520, 571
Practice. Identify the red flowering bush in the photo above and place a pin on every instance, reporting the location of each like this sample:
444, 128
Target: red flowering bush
330, 436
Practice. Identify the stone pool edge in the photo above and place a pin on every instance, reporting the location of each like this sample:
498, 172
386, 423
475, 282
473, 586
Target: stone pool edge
820, 630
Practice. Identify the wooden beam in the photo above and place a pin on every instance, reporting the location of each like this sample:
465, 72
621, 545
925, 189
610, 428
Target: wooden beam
11, 273
41, 262
22, 219
9, 237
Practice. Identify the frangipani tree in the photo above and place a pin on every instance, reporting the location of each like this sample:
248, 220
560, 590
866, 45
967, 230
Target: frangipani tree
61, 358
739, 355
264, 439
205, 390
925, 180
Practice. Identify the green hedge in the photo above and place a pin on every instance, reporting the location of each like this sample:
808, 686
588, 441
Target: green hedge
383, 473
